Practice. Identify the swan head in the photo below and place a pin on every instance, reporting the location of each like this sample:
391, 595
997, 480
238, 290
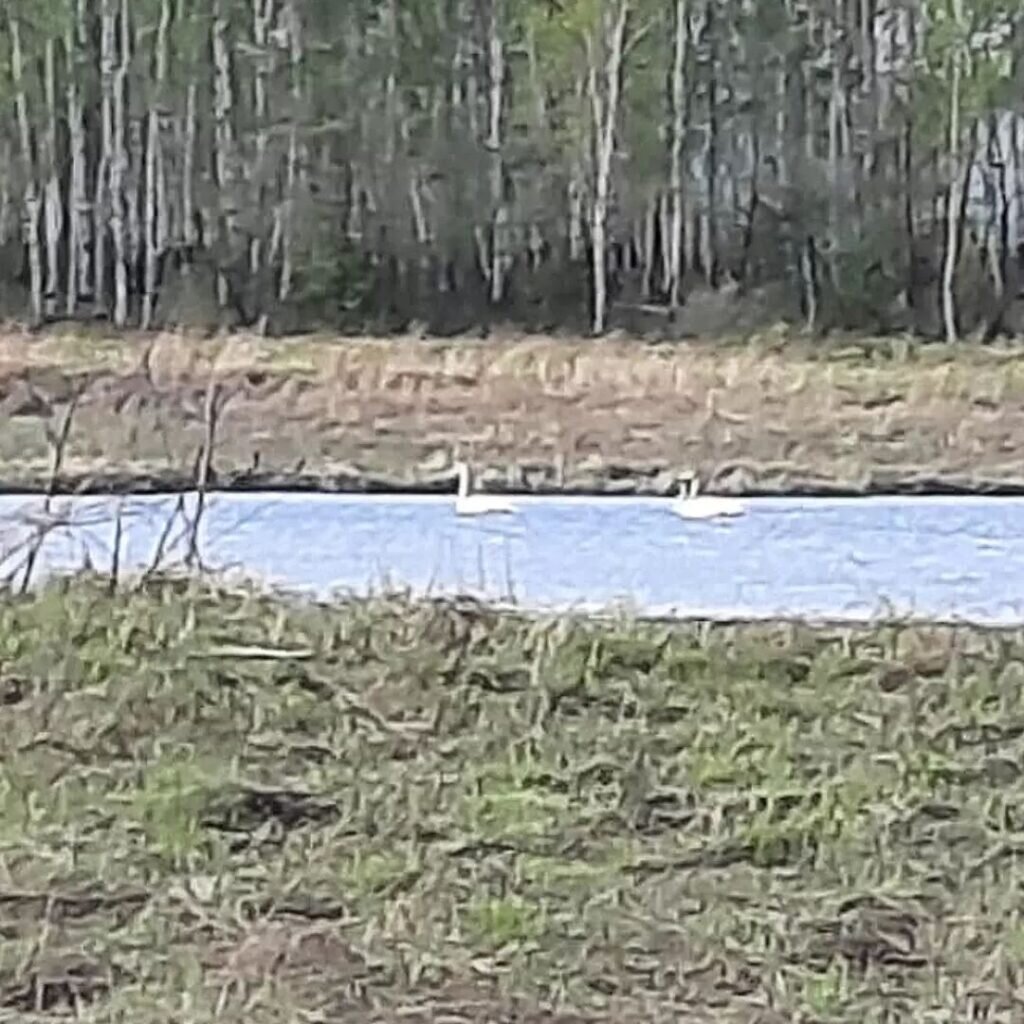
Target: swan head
462, 473
688, 484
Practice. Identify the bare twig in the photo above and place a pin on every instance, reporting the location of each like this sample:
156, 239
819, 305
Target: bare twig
58, 441
211, 414
115, 556
161, 543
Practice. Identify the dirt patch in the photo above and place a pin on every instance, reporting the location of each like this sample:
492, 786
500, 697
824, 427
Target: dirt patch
533, 414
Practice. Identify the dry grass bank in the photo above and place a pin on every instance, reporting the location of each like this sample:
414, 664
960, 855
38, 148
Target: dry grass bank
770, 414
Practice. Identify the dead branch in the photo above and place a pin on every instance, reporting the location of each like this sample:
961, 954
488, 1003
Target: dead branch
211, 414
161, 544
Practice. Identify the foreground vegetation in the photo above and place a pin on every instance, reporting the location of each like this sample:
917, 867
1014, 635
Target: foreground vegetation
771, 413
219, 805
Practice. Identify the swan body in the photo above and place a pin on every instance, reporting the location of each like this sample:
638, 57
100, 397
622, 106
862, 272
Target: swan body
691, 506
467, 504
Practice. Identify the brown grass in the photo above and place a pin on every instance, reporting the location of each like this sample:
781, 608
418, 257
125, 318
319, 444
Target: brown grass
754, 414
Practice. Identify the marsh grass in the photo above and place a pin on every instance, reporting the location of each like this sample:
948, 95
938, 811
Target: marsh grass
221, 805
770, 410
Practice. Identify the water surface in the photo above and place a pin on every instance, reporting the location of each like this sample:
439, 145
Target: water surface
853, 558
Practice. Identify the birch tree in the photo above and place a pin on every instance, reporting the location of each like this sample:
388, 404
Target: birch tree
155, 197
956, 182
677, 136
597, 31
76, 43
30, 184
377, 162
498, 246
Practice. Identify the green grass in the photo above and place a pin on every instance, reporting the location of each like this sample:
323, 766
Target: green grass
435, 810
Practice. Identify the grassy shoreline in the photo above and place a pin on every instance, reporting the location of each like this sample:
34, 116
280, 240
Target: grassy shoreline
771, 415
222, 805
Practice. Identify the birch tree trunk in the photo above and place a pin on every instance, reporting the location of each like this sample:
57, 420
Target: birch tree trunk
576, 197
495, 103
677, 141
53, 206
6, 162
31, 183
102, 205
224, 143
262, 16
709, 215
154, 160
79, 278
999, 234
603, 86
835, 115
294, 30
118, 173
188, 173
956, 185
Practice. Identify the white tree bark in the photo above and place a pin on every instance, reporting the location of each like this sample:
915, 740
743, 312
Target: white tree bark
119, 169
6, 161
603, 85
31, 185
645, 243
709, 212
292, 175
53, 205
80, 279
956, 185
154, 161
188, 173
677, 138
224, 140
499, 210
835, 140
101, 206
262, 18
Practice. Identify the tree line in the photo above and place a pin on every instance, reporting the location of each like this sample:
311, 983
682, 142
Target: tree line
286, 164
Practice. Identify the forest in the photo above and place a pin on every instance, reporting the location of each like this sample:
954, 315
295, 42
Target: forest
583, 165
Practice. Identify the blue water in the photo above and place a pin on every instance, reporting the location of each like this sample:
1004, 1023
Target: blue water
853, 559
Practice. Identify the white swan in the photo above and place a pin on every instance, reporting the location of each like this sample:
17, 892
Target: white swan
689, 506
467, 504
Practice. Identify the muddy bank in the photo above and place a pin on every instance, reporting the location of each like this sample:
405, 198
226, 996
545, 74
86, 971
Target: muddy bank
613, 481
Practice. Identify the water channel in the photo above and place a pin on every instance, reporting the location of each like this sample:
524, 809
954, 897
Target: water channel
846, 559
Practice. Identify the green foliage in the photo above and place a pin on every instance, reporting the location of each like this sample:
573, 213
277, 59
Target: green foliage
870, 273
332, 281
645, 105
168, 804
504, 922
980, 44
